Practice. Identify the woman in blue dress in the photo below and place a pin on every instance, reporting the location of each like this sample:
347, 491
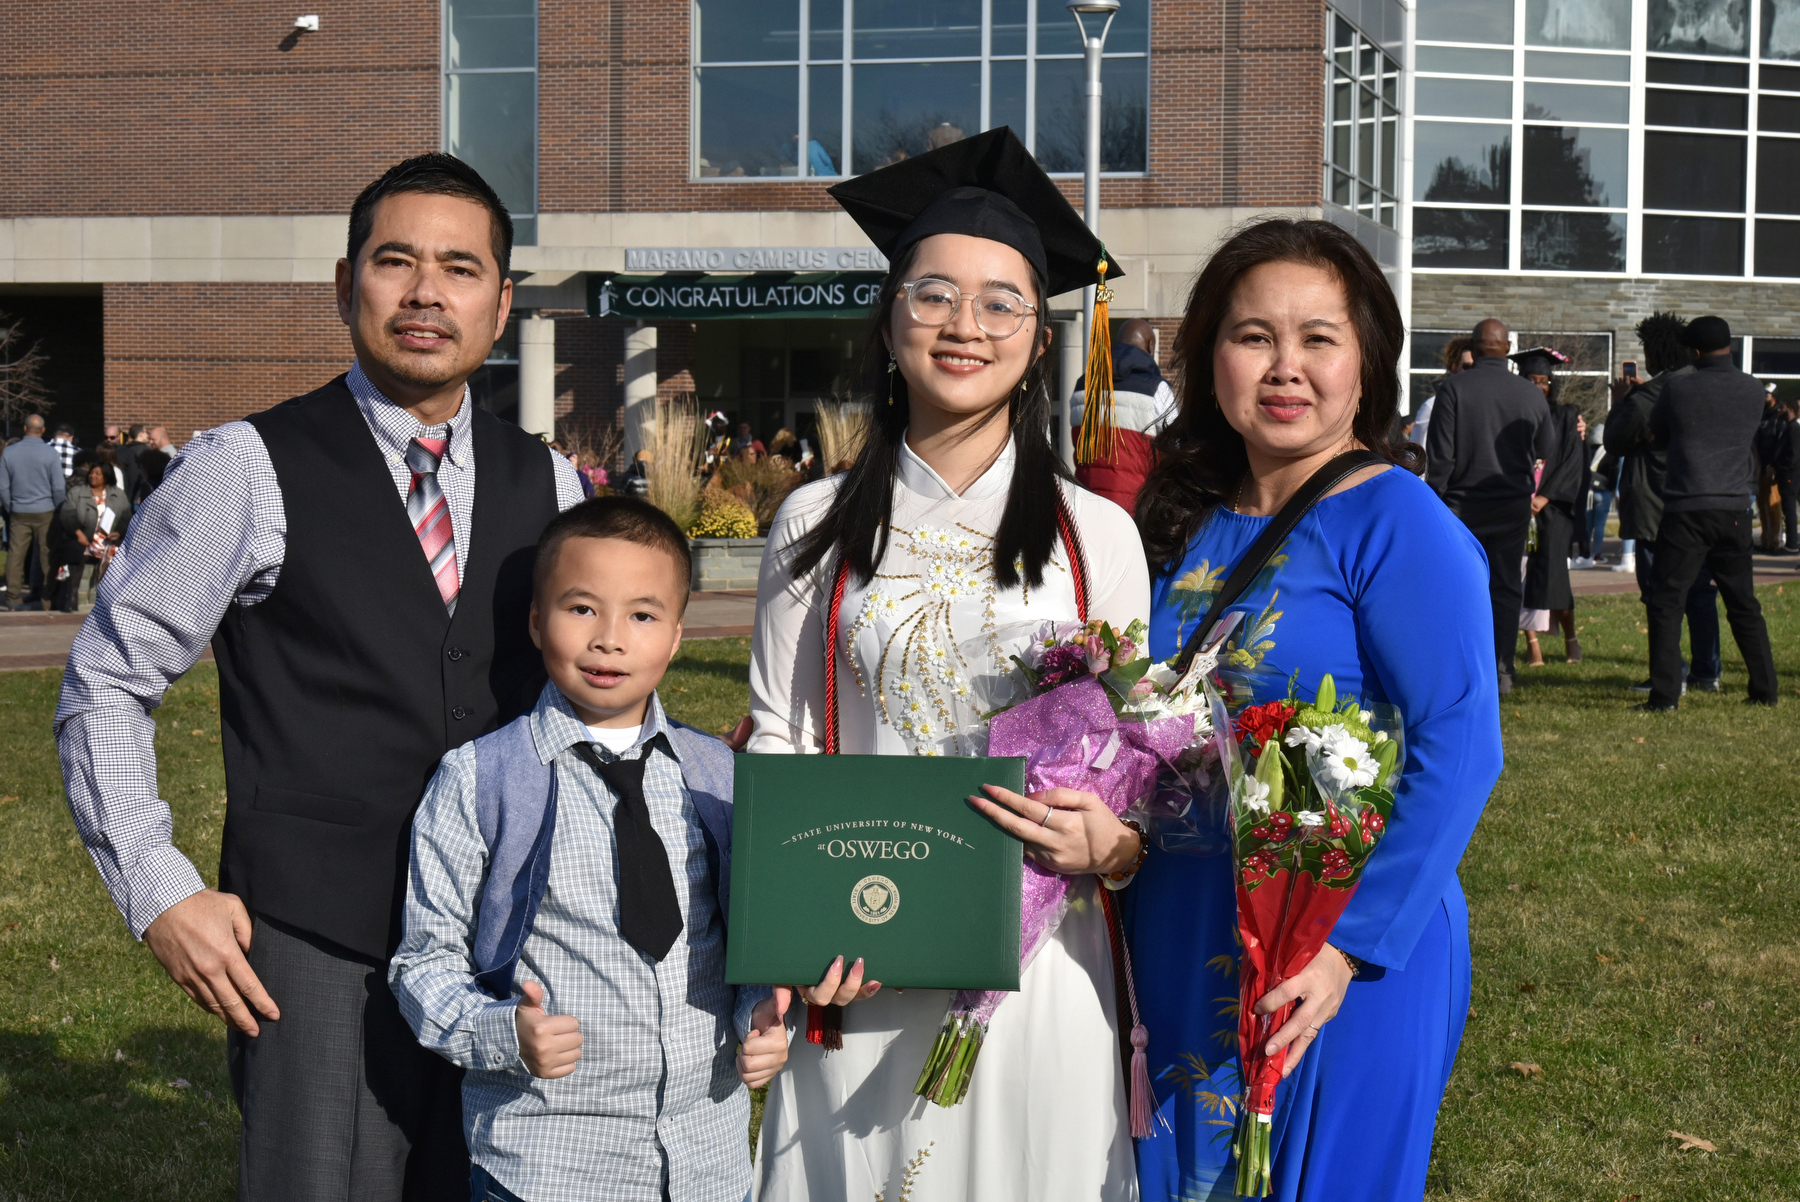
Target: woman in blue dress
1289, 349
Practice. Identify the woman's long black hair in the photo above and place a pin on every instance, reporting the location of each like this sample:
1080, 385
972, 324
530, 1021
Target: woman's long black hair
856, 525
1200, 458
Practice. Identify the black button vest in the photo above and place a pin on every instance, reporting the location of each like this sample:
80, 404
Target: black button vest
342, 690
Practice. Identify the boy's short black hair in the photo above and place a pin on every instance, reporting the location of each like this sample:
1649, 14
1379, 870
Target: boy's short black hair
627, 518
437, 175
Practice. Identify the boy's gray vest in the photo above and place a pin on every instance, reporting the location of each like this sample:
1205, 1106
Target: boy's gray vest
515, 808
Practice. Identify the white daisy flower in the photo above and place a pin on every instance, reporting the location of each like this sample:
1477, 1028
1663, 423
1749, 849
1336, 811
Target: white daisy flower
1311, 739
1345, 763
1310, 818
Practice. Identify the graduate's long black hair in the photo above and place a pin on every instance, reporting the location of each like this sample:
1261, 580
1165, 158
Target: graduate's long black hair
856, 525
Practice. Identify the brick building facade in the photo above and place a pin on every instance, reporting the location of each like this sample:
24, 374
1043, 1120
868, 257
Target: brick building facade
186, 174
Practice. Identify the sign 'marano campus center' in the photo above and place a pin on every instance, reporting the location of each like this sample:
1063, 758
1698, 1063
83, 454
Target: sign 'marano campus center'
697, 283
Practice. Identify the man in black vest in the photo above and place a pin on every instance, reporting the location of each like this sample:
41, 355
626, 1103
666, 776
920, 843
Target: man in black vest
367, 603
1488, 428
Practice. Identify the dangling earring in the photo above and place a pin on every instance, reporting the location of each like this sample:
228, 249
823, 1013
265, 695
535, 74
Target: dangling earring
891, 365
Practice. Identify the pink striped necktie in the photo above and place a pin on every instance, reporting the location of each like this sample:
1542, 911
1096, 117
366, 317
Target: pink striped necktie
430, 515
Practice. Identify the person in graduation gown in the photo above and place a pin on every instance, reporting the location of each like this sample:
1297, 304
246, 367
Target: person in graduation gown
1290, 344
1554, 507
946, 528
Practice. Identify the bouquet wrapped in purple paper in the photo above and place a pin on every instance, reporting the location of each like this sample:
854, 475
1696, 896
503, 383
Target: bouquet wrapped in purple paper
1102, 719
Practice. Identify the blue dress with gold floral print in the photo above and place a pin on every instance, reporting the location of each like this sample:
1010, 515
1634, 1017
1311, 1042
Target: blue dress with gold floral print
1381, 586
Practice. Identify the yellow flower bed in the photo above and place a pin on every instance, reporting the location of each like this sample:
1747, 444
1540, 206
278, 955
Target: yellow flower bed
723, 516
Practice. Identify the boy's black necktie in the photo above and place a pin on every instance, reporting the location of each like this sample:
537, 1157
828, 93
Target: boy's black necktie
649, 913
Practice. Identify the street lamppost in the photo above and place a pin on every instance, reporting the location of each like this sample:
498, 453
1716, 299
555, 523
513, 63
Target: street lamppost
1092, 47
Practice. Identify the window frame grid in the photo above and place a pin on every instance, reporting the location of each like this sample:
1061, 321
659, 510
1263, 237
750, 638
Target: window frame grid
1638, 85
848, 62
1387, 148
445, 71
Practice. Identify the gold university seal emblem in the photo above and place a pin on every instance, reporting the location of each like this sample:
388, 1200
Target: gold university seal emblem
875, 899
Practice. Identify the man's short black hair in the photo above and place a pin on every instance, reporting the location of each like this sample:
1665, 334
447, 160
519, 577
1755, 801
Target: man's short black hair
1707, 334
64, 428
628, 518
1661, 334
436, 175
134, 432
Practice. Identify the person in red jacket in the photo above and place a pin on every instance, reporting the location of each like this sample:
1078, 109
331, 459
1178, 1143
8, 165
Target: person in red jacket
1142, 402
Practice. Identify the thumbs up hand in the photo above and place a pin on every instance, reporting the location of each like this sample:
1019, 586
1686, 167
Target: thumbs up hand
761, 1056
549, 1044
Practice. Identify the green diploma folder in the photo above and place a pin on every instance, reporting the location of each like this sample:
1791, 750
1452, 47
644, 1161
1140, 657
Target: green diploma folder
877, 856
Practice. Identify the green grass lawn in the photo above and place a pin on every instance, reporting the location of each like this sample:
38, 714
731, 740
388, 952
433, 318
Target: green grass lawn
1629, 935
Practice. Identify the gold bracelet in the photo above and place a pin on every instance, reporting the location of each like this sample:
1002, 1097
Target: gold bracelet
1143, 853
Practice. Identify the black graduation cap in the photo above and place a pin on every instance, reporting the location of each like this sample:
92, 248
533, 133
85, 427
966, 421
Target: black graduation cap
987, 186
1539, 361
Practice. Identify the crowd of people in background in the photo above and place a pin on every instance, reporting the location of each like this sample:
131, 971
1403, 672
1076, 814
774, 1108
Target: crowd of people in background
1690, 448
65, 507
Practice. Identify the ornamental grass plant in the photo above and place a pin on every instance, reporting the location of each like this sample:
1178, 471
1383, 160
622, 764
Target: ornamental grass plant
760, 485
676, 439
843, 425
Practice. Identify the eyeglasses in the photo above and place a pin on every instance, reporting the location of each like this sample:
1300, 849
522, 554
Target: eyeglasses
934, 302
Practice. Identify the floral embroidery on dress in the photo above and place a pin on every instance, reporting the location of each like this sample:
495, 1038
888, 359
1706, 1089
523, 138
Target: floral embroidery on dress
923, 679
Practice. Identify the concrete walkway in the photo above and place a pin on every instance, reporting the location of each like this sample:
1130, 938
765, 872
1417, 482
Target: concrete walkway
41, 640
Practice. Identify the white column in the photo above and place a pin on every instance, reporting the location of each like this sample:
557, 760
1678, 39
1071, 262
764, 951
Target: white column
537, 375
640, 383
1068, 337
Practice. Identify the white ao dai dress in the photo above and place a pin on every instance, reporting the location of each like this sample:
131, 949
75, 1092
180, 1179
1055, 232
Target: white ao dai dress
1045, 1116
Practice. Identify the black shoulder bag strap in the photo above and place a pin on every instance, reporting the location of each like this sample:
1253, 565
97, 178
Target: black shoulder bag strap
1317, 485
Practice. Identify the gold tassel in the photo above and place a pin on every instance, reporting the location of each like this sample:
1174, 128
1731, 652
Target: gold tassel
1094, 444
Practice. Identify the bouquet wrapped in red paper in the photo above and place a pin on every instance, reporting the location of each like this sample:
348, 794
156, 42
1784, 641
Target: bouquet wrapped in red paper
1310, 796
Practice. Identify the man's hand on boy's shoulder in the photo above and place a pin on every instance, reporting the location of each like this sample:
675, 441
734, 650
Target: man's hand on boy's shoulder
549, 1044
763, 1053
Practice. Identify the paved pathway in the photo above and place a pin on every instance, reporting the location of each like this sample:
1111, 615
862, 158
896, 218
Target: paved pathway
41, 640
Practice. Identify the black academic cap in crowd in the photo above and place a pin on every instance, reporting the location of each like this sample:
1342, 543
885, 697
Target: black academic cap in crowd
1539, 361
987, 186
1707, 334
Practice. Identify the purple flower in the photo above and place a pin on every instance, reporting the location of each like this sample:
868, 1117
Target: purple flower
1062, 664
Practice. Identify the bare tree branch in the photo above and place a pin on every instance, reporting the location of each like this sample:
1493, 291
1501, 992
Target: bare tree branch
21, 374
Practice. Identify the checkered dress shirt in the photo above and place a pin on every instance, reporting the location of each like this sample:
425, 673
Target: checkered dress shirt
66, 450
212, 535
654, 1108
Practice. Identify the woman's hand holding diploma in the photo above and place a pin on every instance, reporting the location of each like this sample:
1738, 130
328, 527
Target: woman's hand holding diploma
836, 989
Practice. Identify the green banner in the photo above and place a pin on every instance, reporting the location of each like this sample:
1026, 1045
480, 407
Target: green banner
693, 297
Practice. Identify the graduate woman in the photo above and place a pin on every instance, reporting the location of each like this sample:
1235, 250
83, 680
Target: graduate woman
955, 527
1288, 354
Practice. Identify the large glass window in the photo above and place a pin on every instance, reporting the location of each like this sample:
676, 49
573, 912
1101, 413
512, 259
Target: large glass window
1362, 145
490, 99
1602, 163
865, 84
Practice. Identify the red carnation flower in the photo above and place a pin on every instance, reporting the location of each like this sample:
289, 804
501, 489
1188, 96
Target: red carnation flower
1262, 722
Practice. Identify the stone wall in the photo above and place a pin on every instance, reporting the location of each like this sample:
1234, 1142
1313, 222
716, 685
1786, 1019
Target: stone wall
1575, 303
726, 564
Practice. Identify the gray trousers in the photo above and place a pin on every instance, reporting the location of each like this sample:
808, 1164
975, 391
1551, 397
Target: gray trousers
339, 1101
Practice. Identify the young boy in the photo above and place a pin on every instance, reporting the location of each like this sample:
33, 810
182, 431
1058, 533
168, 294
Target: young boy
565, 913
